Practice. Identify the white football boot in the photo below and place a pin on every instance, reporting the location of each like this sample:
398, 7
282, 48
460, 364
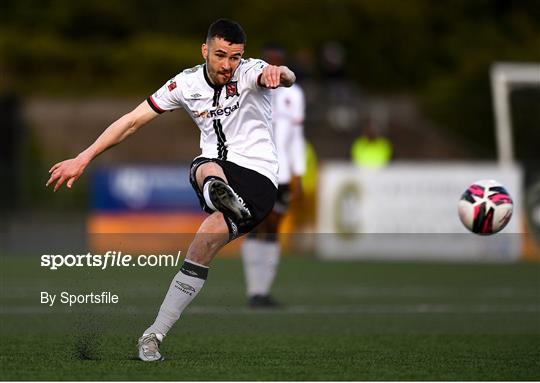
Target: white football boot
149, 348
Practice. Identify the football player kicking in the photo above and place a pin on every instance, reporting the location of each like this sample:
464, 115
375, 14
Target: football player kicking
235, 177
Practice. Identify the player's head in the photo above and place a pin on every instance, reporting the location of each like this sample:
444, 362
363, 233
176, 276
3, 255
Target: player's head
223, 49
274, 54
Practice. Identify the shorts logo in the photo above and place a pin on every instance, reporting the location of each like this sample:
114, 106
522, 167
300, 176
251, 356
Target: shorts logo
232, 89
241, 200
171, 86
234, 229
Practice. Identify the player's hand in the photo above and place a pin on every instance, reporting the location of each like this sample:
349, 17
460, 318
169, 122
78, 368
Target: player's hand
271, 76
68, 170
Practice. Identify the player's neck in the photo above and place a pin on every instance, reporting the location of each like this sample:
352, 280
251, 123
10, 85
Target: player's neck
209, 79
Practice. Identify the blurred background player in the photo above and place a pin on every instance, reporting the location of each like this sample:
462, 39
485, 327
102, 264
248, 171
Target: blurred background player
261, 249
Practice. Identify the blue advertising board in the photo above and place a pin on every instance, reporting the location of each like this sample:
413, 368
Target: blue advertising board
143, 188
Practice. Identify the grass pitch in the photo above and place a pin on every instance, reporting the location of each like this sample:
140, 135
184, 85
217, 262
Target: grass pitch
340, 321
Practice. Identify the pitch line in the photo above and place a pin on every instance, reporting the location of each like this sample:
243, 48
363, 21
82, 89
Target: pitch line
287, 310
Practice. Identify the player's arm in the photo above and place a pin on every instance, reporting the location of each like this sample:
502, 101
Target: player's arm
70, 170
274, 76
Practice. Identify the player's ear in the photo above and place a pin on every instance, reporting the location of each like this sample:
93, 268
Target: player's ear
204, 51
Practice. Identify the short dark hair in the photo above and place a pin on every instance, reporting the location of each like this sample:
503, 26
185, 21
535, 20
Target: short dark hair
228, 30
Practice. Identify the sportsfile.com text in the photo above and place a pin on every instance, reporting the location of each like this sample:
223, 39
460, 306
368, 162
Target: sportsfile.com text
109, 259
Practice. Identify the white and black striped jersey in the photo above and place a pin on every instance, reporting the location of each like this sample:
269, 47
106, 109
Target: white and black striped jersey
235, 120
288, 111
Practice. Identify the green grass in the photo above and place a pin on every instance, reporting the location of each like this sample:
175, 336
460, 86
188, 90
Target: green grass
341, 321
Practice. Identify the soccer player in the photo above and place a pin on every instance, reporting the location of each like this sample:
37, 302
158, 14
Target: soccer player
261, 248
235, 177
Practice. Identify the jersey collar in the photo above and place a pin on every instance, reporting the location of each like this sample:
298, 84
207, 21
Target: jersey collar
207, 78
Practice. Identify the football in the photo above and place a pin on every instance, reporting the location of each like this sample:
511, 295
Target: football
485, 207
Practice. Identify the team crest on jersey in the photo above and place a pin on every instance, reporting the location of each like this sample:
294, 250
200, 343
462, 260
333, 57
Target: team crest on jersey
232, 89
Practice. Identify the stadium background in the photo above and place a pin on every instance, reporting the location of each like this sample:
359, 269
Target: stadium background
420, 71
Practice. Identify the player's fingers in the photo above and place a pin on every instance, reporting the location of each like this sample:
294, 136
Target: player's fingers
54, 167
52, 178
276, 77
270, 80
59, 183
71, 180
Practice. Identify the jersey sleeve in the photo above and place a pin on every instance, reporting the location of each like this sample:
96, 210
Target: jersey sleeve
251, 72
168, 97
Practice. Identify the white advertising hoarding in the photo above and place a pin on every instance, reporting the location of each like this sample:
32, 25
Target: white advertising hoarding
409, 211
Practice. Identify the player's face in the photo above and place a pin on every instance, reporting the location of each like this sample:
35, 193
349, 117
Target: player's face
222, 58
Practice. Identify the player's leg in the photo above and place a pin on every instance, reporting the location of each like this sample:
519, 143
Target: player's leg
212, 235
216, 231
261, 254
260, 257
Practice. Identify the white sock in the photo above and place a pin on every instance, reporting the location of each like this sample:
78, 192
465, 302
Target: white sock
206, 195
260, 259
183, 289
252, 260
271, 262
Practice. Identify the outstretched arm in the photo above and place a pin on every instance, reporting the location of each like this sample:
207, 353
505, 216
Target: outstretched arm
70, 170
274, 76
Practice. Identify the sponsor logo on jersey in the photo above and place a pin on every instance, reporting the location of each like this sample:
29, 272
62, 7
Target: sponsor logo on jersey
227, 111
195, 95
232, 89
171, 86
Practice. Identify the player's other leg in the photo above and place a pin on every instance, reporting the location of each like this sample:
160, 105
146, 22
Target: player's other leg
261, 254
260, 258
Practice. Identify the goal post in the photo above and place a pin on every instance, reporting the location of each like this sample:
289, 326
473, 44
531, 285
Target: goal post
506, 77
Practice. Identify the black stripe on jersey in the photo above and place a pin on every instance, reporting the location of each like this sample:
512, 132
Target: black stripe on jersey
221, 146
154, 106
215, 99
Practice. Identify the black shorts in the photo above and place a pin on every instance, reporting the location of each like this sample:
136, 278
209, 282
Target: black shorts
257, 191
283, 199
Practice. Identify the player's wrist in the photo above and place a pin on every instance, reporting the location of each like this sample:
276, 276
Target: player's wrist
84, 158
